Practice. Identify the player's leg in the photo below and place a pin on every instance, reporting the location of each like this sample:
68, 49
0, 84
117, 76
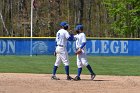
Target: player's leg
85, 63
91, 71
79, 69
56, 65
64, 58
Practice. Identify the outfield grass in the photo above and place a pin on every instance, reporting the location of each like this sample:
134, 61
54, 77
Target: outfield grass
109, 65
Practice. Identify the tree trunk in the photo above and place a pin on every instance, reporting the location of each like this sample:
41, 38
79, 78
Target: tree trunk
89, 17
81, 11
11, 17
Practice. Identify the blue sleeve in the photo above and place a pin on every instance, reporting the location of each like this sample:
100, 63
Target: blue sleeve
71, 37
83, 44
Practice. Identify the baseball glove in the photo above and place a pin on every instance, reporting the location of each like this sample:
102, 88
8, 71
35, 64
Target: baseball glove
79, 51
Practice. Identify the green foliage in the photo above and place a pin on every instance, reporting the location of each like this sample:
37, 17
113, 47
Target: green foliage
125, 15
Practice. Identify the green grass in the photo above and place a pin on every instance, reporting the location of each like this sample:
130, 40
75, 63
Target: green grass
102, 65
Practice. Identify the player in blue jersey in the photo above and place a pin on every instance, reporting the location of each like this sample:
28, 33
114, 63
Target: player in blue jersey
80, 38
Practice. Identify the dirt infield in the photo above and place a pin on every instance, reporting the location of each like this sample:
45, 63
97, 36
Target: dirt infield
41, 83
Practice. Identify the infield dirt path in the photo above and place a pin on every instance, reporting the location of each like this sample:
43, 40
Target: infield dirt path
42, 83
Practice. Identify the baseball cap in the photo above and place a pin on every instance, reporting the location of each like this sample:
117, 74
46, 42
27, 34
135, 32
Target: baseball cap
79, 27
64, 24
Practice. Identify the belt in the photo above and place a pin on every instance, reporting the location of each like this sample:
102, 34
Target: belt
60, 45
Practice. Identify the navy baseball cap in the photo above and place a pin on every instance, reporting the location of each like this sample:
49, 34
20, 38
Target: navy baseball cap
79, 27
64, 24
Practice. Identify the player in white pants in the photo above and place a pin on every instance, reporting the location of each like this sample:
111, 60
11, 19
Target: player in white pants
61, 52
80, 38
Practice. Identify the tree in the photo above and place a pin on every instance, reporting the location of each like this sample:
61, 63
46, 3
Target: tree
125, 17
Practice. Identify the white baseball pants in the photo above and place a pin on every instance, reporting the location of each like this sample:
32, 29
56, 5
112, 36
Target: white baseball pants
61, 56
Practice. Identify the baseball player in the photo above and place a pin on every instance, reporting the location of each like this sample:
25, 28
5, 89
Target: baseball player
81, 52
61, 52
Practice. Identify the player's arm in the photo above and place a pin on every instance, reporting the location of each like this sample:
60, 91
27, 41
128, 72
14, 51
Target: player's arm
75, 37
83, 41
79, 51
83, 45
69, 37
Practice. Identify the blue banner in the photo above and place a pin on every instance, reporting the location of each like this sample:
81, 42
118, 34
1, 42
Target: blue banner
17, 46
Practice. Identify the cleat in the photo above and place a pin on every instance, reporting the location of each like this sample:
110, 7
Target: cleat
77, 78
93, 76
54, 78
69, 78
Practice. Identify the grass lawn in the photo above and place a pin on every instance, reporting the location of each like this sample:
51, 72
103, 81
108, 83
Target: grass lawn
102, 65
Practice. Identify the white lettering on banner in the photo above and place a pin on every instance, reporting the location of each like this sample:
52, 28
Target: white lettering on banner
74, 47
108, 47
71, 48
124, 46
7, 46
69, 43
104, 46
10, 45
94, 50
2, 46
114, 48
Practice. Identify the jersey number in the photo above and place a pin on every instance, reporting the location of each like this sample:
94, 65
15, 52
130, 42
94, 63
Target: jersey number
58, 35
